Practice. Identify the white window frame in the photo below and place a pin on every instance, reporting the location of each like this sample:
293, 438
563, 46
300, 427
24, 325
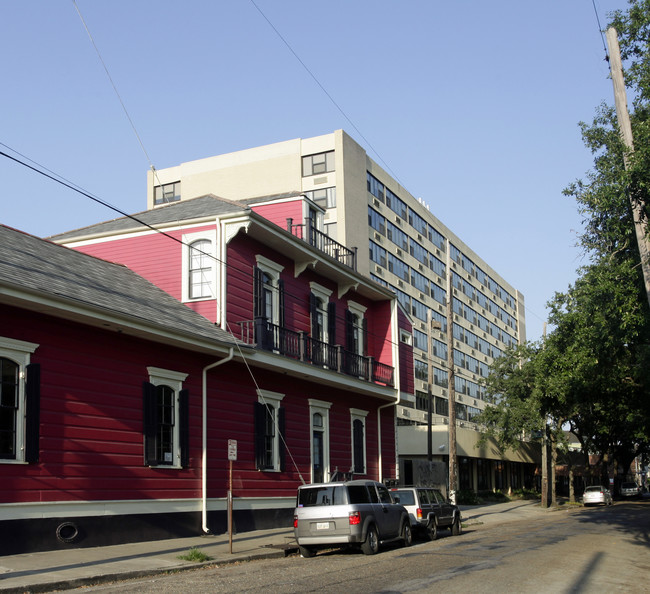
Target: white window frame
173, 379
323, 408
356, 414
273, 269
20, 353
360, 311
324, 294
188, 239
274, 399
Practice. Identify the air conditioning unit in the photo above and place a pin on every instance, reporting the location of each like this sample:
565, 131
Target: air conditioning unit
376, 202
398, 220
377, 236
379, 270
420, 267
398, 252
400, 284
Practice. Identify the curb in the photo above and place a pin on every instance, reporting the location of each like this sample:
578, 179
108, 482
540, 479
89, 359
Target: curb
135, 574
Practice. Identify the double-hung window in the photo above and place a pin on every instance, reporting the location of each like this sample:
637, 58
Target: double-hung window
166, 419
199, 266
269, 431
323, 325
19, 402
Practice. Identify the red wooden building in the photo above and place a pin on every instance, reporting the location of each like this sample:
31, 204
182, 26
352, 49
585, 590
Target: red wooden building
123, 383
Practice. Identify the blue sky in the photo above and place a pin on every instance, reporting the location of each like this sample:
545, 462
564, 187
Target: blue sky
472, 105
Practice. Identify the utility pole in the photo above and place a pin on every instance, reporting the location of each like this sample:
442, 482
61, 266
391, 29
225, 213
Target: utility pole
429, 395
620, 98
453, 479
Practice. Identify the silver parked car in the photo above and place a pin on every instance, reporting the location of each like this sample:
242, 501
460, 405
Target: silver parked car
596, 494
356, 513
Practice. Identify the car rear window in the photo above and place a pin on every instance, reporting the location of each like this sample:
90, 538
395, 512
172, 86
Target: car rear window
593, 489
358, 494
405, 497
316, 496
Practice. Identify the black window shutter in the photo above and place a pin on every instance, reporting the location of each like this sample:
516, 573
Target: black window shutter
281, 444
184, 426
357, 446
281, 321
313, 305
260, 426
349, 330
32, 412
331, 322
258, 293
149, 423
364, 350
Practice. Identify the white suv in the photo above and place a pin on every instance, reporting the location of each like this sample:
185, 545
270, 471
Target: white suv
354, 513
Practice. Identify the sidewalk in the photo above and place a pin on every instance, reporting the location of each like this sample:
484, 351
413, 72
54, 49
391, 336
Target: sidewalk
74, 568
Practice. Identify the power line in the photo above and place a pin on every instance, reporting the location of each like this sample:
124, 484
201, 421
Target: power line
248, 276
322, 88
41, 170
600, 30
119, 97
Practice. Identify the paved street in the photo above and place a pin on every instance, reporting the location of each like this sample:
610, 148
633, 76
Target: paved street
572, 550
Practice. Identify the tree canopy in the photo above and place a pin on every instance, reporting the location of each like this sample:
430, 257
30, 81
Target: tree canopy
592, 372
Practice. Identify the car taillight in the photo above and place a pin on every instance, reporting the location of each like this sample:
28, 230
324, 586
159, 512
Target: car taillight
295, 521
355, 518
419, 513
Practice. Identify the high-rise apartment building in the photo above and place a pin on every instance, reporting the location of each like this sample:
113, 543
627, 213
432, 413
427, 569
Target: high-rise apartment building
400, 244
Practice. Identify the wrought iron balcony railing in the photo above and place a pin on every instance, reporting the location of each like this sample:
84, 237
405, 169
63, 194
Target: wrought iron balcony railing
302, 347
324, 243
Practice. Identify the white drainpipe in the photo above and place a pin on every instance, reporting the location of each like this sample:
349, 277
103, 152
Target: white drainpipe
395, 338
204, 460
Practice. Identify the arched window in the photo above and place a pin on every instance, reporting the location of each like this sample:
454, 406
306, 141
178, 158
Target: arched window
200, 269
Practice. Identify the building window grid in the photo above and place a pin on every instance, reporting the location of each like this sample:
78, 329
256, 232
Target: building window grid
376, 221
377, 254
317, 163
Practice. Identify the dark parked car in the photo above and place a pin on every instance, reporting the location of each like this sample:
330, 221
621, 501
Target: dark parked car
429, 510
354, 513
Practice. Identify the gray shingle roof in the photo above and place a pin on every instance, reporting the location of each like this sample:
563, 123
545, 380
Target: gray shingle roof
183, 210
33, 265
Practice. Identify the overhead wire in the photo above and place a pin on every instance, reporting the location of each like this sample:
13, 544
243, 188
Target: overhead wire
48, 173
322, 88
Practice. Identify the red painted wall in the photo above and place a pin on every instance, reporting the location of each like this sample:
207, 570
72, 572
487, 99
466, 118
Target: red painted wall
91, 431
279, 212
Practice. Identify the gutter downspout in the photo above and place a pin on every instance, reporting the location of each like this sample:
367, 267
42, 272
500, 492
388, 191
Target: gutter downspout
395, 338
204, 427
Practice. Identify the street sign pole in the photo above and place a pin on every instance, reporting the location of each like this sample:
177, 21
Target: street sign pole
232, 456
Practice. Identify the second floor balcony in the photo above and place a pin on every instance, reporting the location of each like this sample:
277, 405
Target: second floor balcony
323, 242
302, 347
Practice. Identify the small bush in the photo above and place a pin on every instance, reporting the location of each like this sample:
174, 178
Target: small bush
467, 497
195, 555
526, 494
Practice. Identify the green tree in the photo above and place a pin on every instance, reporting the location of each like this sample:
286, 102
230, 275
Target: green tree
592, 373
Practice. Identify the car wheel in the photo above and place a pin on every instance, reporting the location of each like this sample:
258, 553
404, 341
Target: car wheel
306, 552
456, 527
371, 544
407, 534
432, 530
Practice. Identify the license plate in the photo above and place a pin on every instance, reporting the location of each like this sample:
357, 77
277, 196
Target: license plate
322, 525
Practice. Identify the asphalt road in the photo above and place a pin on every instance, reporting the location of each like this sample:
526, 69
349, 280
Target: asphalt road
574, 550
